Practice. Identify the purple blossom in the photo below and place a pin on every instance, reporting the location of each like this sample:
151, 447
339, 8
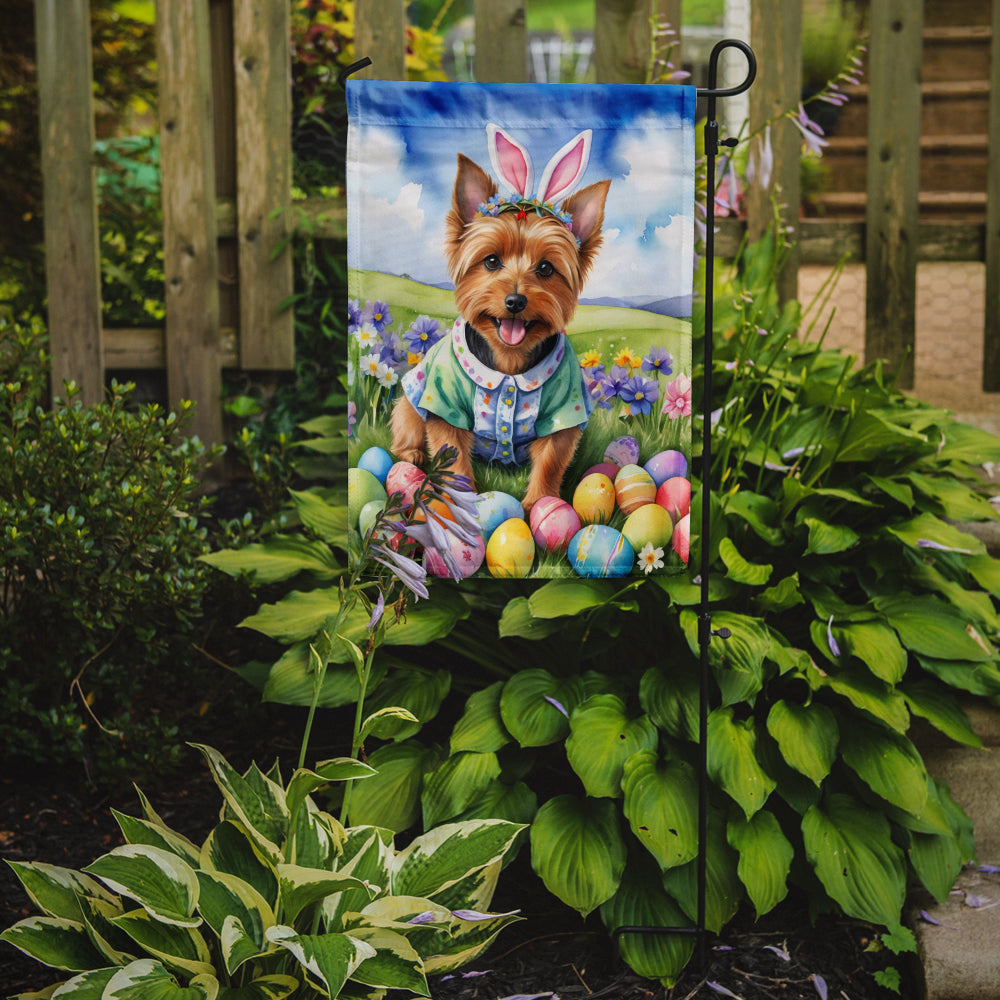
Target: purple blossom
780, 952
927, 543
831, 642
353, 315
427, 917
377, 313
760, 166
352, 417
475, 915
409, 572
811, 132
612, 382
559, 705
377, 612
423, 333
659, 360
640, 394
393, 350
719, 988
820, 983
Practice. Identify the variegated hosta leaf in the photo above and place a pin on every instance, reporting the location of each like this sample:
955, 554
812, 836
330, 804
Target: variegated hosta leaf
535, 706
141, 831
301, 887
476, 890
456, 784
56, 891
225, 897
642, 902
116, 947
158, 880
468, 939
147, 979
86, 986
304, 782
481, 727
315, 838
807, 736
441, 857
177, 947
850, 847
367, 853
661, 800
602, 737
395, 964
230, 849
732, 760
275, 987
765, 858
329, 959
54, 941
578, 851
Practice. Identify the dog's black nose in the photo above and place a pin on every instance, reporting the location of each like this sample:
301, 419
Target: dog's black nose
515, 302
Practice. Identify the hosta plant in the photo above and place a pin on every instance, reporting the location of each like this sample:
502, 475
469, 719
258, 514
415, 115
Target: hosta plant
279, 900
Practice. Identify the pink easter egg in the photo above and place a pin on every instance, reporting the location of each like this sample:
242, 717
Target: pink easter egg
608, 469
681, 540
674, 495
469, 557
622, 451
594, 499
404, 478
553, 524
634, 487
665, 464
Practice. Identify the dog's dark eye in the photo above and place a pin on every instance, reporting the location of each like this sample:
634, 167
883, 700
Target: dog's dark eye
545, 269
493, 263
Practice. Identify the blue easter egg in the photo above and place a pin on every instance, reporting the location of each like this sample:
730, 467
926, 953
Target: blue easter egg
665, 465
598, 550
377, 461
494, 508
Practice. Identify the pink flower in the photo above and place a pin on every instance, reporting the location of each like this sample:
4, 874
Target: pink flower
678, 398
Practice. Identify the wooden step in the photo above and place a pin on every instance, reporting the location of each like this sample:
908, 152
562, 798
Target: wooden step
958, 206
945, 12
956, 53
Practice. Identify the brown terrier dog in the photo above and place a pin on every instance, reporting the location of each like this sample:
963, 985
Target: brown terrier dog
505, 385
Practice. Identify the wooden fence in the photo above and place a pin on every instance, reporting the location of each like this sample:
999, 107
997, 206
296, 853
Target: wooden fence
226, 161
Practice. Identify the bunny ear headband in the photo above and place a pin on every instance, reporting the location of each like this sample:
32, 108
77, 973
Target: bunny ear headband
512, 162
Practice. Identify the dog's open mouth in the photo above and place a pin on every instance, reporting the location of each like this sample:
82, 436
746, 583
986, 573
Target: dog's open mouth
512, 331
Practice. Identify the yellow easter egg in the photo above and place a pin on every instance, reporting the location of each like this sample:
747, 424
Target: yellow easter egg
511, 549
648, 523
634, 488
594, 499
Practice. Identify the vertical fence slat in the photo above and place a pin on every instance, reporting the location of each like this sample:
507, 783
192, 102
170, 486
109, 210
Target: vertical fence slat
261, 57
622, 40
892, 214
380, 34
72, 257
190, 253
501, 41
991, 332
776, 35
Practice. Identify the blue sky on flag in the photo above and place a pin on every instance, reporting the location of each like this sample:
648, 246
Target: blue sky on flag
402, 153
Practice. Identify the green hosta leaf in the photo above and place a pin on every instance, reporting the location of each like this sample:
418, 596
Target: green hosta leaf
760, 512
275, 987
682, 592
888, 763
965, 443
395, 964
425, 622
661, 799
956, 500
438, 859
941, 709
527, 711
456, 784
578, 851
330, 959
671, 700
98, 916
927, 528
828, 539
870, 436
299, 615
54, 941
807, 736
391, 798
937, 859
147, 979
301, 887
385, 723
481, 728
226, 898
560, 598
325, 519
641, 901
602, 738
279, 558
56, 891
850, 848
723, 889
230, 849
180, 948
160, 882
304, 782
417, 690
751, 574
738, 661
783, 595
931, 628
238, 944
291, 680
516, 620
975, 605
515, 803
876, 646
976, 678
986, 572
141, 831
732, 760
765, 858
864, 691
894, 489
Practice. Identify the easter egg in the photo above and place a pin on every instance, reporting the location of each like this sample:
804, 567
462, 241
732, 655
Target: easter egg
682, 537
362, 488
553, 523
494, 508
622, 451
674, 495
368, 514
634, 487
665, 464
594, 499
650, 524
404, 478
598, 550
468, 556
608, 469
511, 549
377, 461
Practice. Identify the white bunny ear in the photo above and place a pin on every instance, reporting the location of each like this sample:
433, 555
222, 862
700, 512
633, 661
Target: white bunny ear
510, 160
564, 170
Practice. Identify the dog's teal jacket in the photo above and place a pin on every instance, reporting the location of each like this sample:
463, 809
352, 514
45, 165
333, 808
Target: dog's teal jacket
504, 412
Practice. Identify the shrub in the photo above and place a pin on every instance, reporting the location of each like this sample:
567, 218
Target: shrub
99, 539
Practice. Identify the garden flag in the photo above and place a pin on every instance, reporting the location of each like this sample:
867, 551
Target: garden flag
520, 275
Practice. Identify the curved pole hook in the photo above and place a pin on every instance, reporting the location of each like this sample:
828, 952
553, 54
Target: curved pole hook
713, 69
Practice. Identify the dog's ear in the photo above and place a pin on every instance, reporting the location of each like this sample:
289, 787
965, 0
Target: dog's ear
563, 172
587, 209
473, 186
510, 160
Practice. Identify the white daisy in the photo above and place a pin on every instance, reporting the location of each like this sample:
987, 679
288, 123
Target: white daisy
650, 558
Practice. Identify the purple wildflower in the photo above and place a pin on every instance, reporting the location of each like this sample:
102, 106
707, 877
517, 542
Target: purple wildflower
820, 984
352, 417
639, 393
659, 360
353, 315
377, 612
409, 572
475, 915
831, 642
760, 166
376, 313
811, 132
393, 350
423, 333
557, 704
427, 917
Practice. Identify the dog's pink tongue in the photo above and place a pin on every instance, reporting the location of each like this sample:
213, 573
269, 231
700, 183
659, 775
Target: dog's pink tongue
511, 331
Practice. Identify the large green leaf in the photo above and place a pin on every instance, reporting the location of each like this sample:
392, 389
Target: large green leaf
926, 528
147, 979
956, 500
279, 558
807, 736
560, 598
661, 806
330, 959
419, 690
391, 798
738, 661
301, 887
870, 435
602, 737
876, 646
851, 850
888, 763
86, 986
732, 760
56, 891
866, 692
274, 987
671, 699
291, 680
179, 948
739, 569
932, 628
327, 520
765, 858
535, 706
516, 620
481, 728
225, 897
828, 539
456, 784
144, 831
229, 848
976, 678
304, 782
760, 512
516, 803
985, 569
578, 851
54, 941
936, 704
